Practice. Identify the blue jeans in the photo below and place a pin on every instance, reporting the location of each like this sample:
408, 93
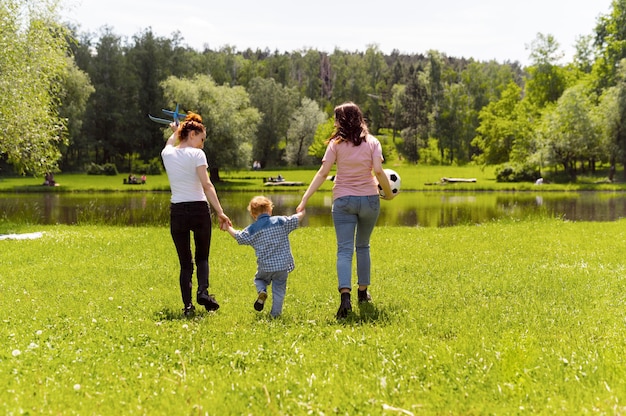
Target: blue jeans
278, 280
187, 218
354, 218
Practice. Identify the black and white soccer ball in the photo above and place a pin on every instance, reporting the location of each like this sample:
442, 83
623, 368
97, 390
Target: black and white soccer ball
394, 181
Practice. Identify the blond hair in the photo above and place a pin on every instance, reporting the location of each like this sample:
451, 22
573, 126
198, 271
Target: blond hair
259, 205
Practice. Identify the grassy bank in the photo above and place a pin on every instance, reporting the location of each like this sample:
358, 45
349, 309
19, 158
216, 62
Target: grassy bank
504, 318
414, 178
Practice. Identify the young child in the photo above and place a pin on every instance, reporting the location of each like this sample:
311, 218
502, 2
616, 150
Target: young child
269, 236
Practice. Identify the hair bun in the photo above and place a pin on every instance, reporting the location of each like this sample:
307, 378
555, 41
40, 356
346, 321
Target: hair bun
191, 116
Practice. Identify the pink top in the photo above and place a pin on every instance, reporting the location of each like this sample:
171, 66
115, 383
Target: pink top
354, 167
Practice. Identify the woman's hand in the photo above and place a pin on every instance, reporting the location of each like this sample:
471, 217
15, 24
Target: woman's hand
224, 221
389, 197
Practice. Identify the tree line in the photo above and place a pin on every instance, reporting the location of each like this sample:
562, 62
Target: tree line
70, 100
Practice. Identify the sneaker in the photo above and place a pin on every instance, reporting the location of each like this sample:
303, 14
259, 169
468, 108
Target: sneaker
208, 301
189, 310
260, 301
345, 307
364, 296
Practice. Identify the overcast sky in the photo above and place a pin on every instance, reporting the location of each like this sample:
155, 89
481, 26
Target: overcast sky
480, 29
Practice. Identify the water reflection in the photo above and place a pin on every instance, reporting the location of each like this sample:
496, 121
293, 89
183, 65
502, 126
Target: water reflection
424, 209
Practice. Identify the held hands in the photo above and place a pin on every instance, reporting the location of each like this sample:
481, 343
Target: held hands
224, 222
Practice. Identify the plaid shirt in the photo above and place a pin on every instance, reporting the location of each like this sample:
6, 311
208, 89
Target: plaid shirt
269, 236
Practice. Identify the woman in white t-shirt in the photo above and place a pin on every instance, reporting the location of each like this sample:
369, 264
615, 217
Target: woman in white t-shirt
192, 191
356, 203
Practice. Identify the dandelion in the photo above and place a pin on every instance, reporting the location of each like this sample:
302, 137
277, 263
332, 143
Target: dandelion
15, 353
77, 387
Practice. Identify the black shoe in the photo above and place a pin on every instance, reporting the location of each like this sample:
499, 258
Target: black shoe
364, 296
345, 307
189, 311
260, 301
208, 301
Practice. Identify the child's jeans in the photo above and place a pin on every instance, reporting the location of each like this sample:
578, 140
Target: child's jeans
278, 280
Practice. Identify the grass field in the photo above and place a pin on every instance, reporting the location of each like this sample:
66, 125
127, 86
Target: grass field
505, 318
414, 178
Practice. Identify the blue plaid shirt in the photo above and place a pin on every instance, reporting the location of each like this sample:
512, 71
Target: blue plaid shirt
269, 236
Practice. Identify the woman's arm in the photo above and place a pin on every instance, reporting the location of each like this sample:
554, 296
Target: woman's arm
318, 180
383, 180
209, 191
172, 139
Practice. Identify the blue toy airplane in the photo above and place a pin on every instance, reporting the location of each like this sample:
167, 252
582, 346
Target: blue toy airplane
176, 116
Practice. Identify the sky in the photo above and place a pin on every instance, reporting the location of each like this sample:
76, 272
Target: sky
500, 30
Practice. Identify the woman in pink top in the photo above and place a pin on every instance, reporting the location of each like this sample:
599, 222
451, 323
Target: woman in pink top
356, 203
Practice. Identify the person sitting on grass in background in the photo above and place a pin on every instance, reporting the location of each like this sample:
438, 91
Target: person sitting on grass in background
269, 236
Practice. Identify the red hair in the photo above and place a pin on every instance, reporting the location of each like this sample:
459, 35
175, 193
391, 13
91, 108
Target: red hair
193, 122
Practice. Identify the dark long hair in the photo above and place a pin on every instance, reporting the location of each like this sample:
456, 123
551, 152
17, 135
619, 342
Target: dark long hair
350, 125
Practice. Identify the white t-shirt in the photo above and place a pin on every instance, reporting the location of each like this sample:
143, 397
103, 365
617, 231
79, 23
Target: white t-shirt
180, 165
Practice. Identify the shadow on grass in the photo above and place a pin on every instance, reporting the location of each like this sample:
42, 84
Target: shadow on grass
366, 313
169, 314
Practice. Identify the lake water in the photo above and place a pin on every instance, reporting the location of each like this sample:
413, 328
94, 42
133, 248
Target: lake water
410, 209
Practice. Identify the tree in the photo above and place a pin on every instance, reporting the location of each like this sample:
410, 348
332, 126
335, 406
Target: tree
610, 116
276, 104
111, 105
32, 61
610, 40
415, 115
230, 120
302, 128
546, 80
498, 127
567, 133
76, 91
322, 134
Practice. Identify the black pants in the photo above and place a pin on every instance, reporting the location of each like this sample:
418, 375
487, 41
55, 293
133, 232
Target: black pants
187, 218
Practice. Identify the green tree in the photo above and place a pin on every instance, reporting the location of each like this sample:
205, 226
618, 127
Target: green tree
498, 127
230, 120
610, 41
567, 133
322, 134
415, 115
546, 79
276, 104
301, 132
111, 105
610, 117
455, 131
76, 91
32, 62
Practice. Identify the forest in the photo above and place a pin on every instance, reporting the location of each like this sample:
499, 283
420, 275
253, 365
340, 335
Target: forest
79, 102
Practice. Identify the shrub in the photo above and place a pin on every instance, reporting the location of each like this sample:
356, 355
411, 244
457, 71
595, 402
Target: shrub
153, 167
517, 173
106, 169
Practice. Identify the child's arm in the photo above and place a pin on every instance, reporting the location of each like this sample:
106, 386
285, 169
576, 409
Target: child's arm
227, 227
300, 215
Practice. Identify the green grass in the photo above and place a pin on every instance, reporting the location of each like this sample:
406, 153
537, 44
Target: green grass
504, 318
414, 178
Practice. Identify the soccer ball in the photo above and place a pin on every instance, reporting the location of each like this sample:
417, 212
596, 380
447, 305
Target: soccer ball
394, 181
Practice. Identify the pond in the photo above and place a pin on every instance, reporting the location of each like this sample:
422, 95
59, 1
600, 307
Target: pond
409, 209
